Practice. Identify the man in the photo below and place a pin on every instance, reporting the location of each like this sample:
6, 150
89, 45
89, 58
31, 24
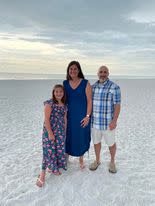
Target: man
106, 109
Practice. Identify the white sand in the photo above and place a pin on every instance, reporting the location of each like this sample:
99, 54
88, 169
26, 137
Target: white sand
21, 117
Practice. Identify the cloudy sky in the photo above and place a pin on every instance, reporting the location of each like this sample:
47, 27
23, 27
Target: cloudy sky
39, 36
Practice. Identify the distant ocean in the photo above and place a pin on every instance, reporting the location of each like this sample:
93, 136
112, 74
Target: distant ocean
28, 76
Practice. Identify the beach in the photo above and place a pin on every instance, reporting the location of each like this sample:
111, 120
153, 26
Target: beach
21, 122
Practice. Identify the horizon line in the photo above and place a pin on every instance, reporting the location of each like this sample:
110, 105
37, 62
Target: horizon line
128, 75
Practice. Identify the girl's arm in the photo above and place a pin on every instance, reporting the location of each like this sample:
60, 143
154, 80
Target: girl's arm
47, 113
65, 118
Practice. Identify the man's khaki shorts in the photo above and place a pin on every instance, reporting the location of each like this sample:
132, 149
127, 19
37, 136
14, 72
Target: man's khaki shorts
108, 136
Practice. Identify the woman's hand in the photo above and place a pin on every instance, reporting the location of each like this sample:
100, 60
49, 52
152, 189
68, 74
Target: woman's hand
84, 121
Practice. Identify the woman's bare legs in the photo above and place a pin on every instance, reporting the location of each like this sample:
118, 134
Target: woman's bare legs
82, 166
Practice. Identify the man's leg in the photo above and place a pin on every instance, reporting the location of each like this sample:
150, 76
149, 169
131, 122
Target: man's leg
97, 148
112, 167
109, 137
112, 150
96, 137
95, 164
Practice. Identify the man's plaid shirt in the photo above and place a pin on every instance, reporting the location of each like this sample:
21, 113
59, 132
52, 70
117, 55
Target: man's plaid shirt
105, 96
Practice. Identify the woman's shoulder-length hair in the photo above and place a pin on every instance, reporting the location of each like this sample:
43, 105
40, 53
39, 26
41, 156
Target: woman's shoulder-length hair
80, 74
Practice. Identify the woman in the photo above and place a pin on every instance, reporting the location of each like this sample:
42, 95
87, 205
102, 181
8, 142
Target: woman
79, 100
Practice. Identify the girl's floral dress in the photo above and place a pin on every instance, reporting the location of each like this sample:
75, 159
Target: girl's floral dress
54, 151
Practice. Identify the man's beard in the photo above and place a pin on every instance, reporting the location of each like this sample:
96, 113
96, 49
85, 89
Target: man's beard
103, 79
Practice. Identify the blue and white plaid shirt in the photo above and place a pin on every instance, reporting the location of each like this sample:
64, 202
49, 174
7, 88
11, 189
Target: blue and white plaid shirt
105, 96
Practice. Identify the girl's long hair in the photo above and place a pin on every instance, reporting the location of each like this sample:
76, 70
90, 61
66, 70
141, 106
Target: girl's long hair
53, 96
80, 74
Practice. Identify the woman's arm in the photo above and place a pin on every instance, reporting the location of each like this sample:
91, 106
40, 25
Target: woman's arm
89, 98
85, 120
47, 113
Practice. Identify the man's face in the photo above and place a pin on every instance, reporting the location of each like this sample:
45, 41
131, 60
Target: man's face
103, 73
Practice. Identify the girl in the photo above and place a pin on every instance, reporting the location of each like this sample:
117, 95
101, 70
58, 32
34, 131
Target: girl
53, 137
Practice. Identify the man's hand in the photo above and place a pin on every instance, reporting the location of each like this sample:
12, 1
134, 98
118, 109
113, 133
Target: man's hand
112, 125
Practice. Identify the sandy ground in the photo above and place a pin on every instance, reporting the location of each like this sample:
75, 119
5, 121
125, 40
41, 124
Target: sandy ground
21, 118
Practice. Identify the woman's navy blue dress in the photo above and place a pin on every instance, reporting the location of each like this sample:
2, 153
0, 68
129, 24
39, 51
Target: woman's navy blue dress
77, 137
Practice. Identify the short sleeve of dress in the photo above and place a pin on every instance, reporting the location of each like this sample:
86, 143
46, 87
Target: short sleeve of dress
50, 102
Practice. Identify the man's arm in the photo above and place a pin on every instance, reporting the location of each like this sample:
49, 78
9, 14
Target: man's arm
113, 123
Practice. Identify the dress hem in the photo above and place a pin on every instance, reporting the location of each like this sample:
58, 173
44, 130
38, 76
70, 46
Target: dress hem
79, 155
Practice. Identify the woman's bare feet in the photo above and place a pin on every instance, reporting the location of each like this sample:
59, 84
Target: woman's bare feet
82, 166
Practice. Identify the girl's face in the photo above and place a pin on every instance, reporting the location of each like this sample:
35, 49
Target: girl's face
58, 93
73, 71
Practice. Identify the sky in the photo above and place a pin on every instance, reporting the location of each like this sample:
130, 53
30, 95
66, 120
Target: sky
39, 36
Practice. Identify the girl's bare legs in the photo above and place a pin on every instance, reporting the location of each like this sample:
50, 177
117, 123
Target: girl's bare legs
54, 172
41, 179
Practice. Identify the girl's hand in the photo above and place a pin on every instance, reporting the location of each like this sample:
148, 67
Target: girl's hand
51, 137
84, 121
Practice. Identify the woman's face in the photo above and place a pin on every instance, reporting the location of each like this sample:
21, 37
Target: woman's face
73, 71
58, 93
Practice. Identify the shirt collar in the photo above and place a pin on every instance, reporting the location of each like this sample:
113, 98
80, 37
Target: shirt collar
102, 84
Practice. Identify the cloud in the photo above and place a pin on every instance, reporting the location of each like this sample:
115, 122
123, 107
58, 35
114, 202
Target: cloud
67, 15
144, 13
49, 34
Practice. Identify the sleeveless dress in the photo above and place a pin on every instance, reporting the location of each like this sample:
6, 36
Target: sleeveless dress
54, 151
77, 137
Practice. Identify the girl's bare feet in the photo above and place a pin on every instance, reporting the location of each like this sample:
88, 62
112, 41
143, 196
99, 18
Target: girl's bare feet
54, 172
57, 173
41, 179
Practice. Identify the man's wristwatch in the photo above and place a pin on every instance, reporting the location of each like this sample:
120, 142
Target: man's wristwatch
88, 115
